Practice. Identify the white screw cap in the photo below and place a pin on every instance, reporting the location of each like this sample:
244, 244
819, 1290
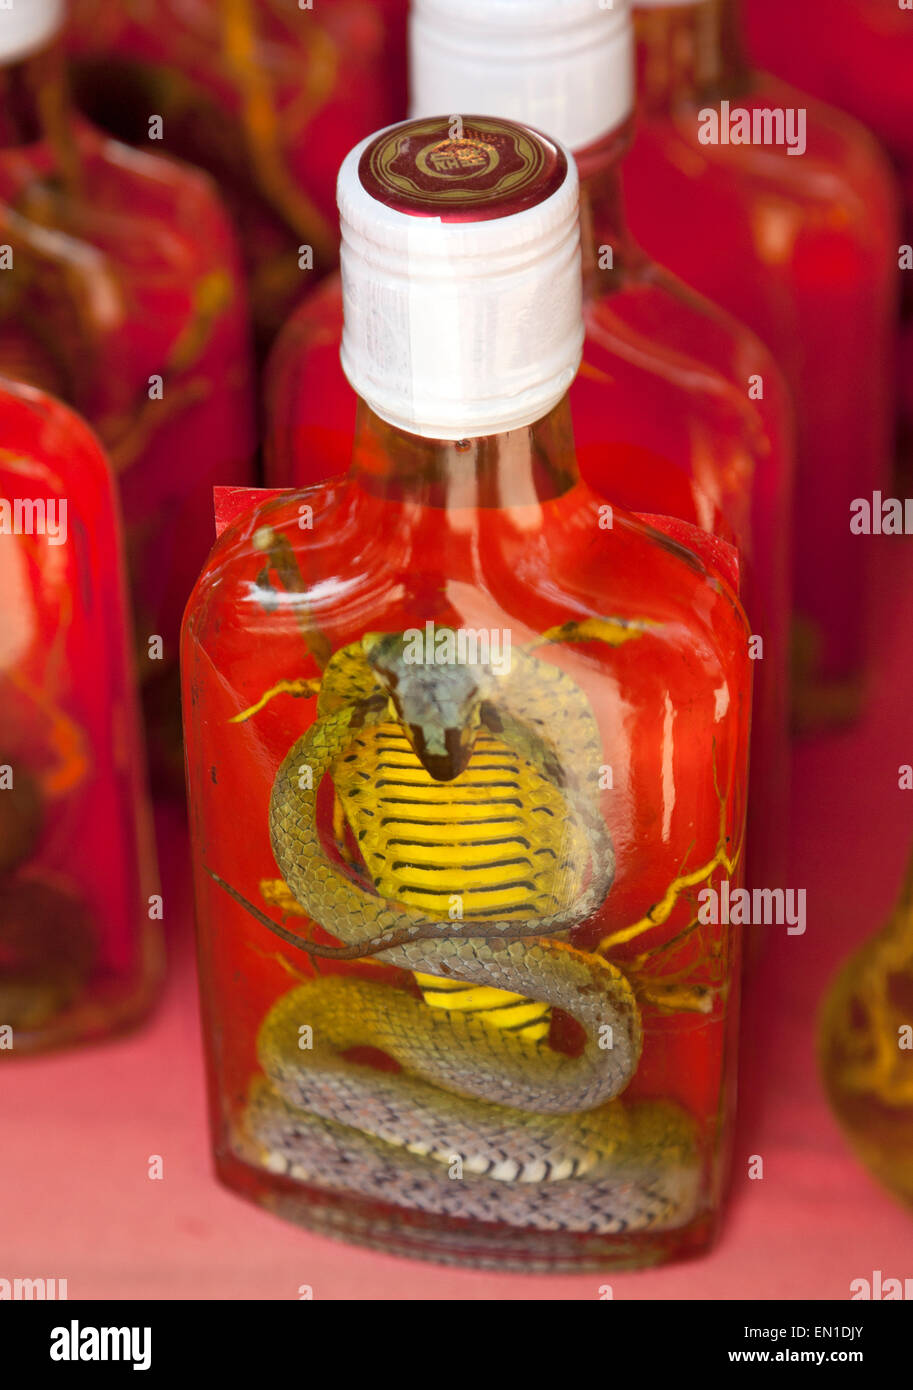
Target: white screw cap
27, 25
562, 66
461, 275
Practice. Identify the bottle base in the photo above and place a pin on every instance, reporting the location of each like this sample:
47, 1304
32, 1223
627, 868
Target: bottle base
448, 1241
45, 1006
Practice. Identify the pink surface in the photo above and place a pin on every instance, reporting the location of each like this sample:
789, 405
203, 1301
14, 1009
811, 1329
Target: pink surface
79, 1128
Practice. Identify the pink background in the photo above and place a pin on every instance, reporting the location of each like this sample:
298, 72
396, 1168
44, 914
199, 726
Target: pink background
78, 1129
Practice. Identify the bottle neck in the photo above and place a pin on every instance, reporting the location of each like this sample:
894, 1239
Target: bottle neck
688, 53
607, 248
34, 99
520, 467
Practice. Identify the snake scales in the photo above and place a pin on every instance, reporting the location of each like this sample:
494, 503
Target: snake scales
480, 1121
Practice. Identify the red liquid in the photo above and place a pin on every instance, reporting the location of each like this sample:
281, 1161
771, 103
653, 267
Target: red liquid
862, 61
79, 955
126, 299
266, 96
495, 533
804, 250
663, 423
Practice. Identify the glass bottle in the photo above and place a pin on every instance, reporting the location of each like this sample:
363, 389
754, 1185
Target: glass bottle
861, 61
80, 954
665, 416
266, 95
121, 293
465, 743
800, 240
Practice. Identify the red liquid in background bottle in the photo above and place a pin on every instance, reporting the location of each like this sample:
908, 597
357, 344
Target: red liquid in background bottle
804, 250
860, 59
265, 95
663, 423
79, 955
125, 298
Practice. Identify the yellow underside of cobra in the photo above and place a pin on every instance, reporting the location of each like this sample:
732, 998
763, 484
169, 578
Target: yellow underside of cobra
481, 845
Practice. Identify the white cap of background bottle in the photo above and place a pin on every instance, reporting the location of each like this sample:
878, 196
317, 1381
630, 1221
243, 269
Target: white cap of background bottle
562, 66
26, 26
459, 328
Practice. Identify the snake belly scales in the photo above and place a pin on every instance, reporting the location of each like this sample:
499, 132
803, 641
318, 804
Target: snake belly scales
484, 1119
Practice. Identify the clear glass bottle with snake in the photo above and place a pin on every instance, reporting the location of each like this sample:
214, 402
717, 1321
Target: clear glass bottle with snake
467, 749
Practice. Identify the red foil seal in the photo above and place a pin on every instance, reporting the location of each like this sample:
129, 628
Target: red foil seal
462, 169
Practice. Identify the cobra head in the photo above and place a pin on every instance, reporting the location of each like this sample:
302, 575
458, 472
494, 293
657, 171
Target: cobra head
438, 704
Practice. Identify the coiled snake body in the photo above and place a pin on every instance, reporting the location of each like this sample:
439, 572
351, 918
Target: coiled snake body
482, 1119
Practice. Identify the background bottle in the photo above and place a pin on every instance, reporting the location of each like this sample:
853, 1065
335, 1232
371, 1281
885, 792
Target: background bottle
266, 95
860, 60
804, 250
80, 954
122, 294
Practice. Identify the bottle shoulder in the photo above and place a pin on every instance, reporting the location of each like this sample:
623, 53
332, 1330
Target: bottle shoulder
663, 329
681, 319
769, 141
338, 563
60, 531
141, 207
50, 445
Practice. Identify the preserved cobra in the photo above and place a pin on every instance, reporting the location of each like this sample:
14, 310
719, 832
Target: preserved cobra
477, 788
